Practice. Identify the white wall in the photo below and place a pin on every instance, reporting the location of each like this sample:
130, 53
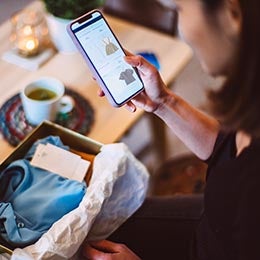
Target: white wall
8, 7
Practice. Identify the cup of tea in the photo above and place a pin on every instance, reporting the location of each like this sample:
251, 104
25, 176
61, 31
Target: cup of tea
43, 99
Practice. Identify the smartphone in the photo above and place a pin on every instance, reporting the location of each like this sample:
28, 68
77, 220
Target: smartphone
105, 57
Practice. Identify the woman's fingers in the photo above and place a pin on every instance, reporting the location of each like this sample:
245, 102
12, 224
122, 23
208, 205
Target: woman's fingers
101, 250
100, 93
130, 107
106, 246
91, 252
141, 64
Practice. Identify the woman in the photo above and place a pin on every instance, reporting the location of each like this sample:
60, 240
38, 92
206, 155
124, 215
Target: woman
225, 36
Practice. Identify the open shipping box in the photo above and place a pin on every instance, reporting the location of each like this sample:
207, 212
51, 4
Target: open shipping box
70, 138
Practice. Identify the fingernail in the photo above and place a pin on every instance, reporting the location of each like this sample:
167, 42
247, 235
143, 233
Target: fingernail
130, 108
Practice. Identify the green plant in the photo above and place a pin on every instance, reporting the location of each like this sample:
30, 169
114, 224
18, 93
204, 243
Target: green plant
71, 9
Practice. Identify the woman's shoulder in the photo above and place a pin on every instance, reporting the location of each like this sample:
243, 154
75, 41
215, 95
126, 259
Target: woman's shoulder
224, 149
250, 157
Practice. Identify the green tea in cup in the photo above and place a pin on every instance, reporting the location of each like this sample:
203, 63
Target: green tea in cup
41, 94
43, 99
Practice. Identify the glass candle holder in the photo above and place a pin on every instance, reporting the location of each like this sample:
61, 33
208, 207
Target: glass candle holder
29, 32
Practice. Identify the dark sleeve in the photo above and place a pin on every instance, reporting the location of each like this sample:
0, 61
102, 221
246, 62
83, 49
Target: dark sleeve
219, 140
224, 147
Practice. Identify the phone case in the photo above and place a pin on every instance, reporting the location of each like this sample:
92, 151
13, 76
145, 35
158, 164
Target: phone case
109, 47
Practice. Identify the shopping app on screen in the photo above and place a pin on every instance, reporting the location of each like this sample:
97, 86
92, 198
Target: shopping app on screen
107, 57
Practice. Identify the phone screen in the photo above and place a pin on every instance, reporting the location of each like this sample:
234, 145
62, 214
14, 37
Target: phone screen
106, 56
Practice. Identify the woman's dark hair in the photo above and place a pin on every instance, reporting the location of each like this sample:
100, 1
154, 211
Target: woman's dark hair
212, 4
237, 103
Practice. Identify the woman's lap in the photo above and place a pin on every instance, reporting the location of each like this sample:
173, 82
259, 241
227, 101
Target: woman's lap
162, 228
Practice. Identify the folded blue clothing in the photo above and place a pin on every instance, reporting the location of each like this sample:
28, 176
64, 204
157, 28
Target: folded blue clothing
32, 199
51, 139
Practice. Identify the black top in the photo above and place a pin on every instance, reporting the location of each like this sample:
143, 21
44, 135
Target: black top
230, 226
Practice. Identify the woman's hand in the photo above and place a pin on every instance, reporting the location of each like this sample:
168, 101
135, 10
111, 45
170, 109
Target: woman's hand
155, 90
107, 250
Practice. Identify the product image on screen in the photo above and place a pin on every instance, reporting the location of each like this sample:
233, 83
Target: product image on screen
107, 57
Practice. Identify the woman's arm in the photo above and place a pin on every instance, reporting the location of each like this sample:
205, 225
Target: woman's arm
195, 129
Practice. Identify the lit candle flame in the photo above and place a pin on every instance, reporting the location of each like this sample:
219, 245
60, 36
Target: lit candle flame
30, 44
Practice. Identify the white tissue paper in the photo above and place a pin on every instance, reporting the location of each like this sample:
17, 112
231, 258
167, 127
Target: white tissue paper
117, 189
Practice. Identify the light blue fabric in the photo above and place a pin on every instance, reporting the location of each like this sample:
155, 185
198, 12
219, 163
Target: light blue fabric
32, 199
55, 140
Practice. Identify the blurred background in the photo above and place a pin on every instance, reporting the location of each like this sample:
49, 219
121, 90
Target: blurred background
191, 84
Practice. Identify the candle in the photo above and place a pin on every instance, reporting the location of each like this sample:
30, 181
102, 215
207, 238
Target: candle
29, 32
28, 46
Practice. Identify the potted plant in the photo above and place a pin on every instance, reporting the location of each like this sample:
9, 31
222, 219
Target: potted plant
60, 13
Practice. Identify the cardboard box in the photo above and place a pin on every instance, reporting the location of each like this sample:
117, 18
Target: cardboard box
70, 138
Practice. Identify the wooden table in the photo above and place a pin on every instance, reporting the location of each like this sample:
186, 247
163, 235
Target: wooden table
110, 123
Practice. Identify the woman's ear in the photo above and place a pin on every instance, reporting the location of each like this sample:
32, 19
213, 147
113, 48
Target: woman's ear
233, 16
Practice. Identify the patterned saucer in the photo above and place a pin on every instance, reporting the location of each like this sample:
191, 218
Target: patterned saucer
14, 126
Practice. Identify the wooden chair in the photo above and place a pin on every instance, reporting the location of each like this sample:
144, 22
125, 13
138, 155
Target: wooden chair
149, 13
184, 174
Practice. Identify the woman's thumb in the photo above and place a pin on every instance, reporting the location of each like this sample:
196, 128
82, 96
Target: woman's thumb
140, 63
